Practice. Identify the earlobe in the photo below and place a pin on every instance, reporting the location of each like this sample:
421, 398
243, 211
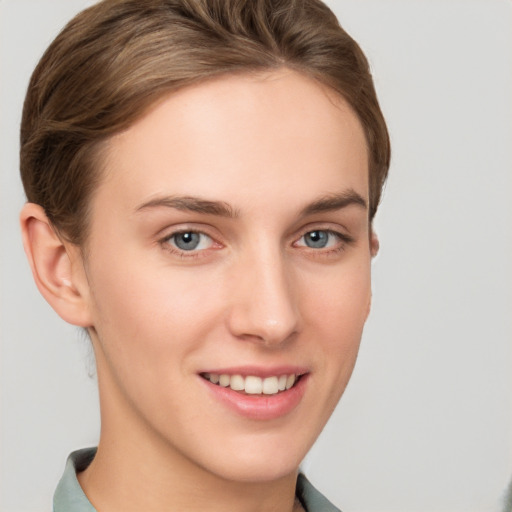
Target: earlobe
56, 267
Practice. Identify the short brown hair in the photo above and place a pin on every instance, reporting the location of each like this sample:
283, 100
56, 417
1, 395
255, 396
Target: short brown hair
116, 58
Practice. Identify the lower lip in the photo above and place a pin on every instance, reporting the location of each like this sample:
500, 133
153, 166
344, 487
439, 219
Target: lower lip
260, 407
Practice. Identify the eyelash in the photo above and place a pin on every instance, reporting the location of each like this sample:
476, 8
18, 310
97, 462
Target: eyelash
194, 253
343, 241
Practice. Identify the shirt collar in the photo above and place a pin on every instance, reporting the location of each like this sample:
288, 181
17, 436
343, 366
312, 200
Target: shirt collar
69, 496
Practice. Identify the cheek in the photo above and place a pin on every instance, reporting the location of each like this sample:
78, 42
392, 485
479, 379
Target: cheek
340, 301
336, 317
150, 325
152, 308
153, 324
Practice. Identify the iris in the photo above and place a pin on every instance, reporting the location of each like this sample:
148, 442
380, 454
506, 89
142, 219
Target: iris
316, 239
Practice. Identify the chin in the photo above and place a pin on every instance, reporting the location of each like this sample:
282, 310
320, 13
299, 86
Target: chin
258, 471
260, 461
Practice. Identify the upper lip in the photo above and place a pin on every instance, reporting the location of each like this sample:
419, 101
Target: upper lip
259, 371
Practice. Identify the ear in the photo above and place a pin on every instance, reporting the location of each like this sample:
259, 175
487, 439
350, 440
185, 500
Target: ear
374, 243
57, 267
374, 249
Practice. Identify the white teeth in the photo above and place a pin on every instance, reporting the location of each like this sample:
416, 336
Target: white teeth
224, 380
237, 383
251, 384
290, 381
270, 386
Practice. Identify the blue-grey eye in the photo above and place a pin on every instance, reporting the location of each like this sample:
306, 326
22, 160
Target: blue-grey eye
317, 239
190, 240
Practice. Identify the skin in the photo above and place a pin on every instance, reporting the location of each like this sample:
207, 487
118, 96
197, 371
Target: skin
266, 147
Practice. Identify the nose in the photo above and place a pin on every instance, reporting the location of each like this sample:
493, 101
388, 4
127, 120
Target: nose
264, 305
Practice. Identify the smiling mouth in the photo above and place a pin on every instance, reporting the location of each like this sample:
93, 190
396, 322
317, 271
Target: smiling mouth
253, 385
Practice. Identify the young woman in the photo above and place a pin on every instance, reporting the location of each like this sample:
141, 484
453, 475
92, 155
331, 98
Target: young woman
202, 178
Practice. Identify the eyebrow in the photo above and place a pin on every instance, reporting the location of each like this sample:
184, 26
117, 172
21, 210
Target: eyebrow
327, 203
192, 204
333, 202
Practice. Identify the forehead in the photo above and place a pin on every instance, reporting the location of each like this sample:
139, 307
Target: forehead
240, 133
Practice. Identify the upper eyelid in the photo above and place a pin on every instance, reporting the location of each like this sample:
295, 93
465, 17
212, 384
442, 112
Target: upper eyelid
182, 231
170, 231
331, 227
344, 238
172, 234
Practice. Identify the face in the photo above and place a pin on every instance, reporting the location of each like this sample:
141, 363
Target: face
228, 269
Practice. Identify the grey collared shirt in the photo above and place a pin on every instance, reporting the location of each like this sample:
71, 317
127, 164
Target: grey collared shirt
69, 496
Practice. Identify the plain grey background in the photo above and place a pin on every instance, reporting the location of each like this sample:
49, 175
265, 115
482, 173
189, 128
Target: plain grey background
426, 422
